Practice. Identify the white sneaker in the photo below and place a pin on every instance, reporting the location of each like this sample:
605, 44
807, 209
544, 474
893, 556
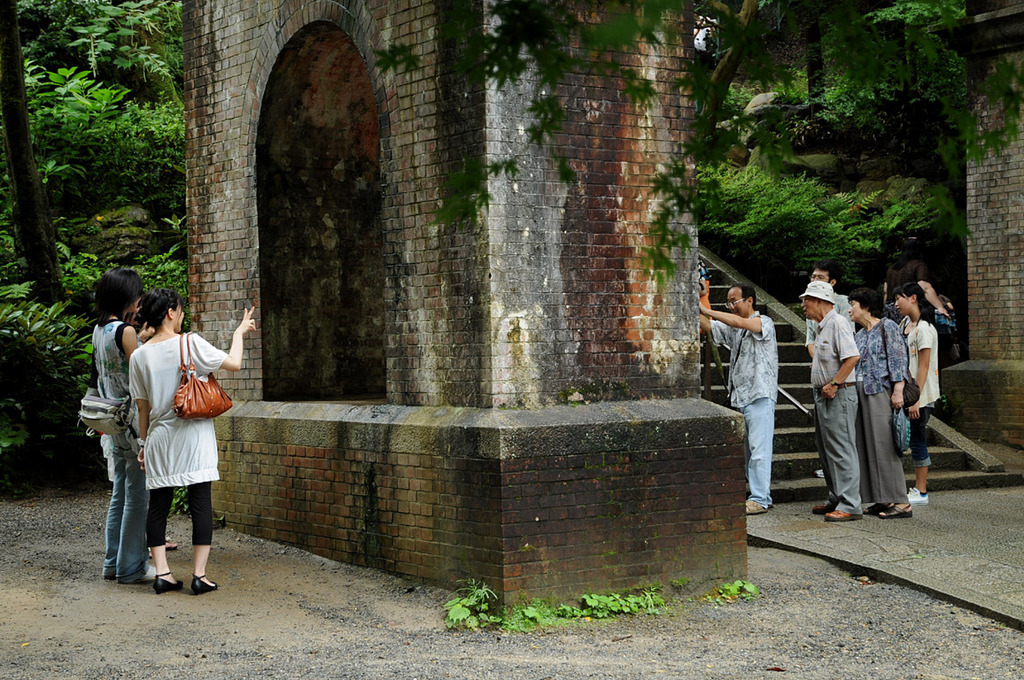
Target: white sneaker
820, 474
148, 576
916, 497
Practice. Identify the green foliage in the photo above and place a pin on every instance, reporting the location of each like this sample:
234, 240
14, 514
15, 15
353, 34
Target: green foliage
731, 592
42, 357
96, 149
115, 35
472, 609
774, 225
179, 502
537, 613
123, 41
903, 96
648, 601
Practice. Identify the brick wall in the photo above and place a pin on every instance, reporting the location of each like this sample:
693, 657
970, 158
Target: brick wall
995, 247
987, 392
546, 297
987, 398
538, 503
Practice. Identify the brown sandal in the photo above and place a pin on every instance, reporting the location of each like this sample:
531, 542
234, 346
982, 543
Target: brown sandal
896, 512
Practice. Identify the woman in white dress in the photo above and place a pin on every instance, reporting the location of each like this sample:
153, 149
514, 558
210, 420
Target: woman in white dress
176, 452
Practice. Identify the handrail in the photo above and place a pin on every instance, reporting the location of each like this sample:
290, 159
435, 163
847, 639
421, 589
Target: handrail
796, 403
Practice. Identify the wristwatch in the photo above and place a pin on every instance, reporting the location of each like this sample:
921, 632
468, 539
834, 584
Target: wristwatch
834, 382
142, 442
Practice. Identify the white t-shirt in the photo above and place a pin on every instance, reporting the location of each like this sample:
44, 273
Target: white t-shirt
924, 336
178, 452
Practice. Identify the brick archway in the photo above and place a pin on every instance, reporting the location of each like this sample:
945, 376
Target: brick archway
318, 187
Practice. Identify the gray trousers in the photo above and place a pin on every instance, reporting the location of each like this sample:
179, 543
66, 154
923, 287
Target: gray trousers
835, 431
881, 467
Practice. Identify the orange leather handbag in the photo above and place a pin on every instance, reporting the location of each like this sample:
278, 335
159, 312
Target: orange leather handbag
198, 398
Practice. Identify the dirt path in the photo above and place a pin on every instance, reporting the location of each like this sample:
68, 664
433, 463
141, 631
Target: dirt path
283, 613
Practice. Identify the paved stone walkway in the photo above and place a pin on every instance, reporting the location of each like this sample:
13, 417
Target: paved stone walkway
965, 547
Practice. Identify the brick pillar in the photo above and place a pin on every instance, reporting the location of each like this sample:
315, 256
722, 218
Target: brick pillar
313, 182
987, 392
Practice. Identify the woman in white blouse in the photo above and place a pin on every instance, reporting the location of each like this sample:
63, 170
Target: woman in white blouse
923, 344
176, 452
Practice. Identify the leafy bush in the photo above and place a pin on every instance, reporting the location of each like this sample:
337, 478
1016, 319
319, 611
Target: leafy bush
472, 609
97, 150
43, 372
731, 592
116, 39
774, 226
904, 93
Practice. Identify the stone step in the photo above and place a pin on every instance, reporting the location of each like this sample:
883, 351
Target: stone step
813, 490
790, 373
788, 416
802, 464
800, 391
789, 353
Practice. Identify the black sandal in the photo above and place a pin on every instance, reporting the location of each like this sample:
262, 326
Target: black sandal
896, 512
877, 509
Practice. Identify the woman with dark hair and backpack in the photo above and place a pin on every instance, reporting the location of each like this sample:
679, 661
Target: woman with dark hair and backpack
114, 341
173, 451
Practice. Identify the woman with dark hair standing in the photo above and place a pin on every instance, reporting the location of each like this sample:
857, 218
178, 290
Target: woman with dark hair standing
114, 341
881, 374
923, 343
176, 452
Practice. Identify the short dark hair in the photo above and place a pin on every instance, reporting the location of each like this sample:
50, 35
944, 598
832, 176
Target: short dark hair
116, 290
868, 299
746, 291
832, 267
155, 304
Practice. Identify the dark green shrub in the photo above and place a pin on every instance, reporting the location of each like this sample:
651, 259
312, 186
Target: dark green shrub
43, 371
911, 80
122, 41
771, 227
97, 150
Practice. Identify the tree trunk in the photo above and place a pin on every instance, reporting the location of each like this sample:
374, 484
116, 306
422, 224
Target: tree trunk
726, 70
34, 235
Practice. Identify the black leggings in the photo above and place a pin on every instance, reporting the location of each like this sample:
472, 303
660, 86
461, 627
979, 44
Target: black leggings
200, 506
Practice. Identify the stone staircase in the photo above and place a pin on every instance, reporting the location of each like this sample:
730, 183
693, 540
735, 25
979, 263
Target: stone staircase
957, 462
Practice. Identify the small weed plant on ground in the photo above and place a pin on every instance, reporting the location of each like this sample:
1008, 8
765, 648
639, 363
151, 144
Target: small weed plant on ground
731, 592
473, 610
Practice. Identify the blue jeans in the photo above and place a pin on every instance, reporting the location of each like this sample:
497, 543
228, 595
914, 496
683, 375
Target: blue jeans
126, 517
760, 419
919, 438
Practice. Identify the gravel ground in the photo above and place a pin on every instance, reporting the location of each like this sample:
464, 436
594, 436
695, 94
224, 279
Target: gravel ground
283, 613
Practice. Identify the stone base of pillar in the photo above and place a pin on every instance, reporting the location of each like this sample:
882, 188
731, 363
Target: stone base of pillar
987, 399
549, 502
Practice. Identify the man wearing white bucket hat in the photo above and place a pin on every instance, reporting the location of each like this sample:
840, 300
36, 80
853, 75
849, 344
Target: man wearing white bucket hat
834, 381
